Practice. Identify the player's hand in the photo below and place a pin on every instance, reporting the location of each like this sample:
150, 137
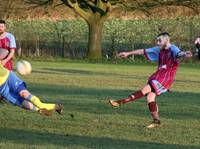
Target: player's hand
188, 54
123, 54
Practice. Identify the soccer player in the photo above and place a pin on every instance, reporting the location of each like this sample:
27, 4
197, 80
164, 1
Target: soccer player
197, 45
7, 43
14, 90
167, 55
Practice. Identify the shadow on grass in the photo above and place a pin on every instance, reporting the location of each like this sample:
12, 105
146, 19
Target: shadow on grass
31, 137
57, 71
86, 72
175, 105
74, 90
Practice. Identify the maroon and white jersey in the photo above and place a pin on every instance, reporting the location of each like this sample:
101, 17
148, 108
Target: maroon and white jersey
7, 43
162, 79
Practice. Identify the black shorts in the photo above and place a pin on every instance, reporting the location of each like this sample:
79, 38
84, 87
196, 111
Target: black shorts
152, 89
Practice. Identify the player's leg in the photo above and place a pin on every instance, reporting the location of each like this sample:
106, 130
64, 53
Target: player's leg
153, 108
134, 96
29, 106
17, 87
9, 95
15, 99
36, 101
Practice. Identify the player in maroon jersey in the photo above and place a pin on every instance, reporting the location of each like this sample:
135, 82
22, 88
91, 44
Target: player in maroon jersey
167, 55
7, 46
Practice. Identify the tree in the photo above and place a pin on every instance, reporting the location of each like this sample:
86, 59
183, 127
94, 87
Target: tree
11, 9
95, 12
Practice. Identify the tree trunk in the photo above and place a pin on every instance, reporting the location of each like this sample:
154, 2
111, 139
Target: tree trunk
63, 47
95, 39
37, 46
19, 49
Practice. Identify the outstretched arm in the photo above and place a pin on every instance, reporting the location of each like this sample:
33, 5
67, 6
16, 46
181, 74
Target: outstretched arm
186, 54
134, 52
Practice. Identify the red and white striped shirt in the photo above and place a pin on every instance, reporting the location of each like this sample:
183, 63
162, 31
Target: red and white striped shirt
7, 43
167, 64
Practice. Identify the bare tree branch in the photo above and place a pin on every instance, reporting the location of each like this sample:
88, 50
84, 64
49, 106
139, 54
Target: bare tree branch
79, 10
39, 3
88, 8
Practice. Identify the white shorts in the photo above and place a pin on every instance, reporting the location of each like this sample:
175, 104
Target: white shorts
159, 89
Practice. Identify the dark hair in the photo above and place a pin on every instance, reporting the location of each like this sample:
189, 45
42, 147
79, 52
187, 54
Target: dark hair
163, 34
3, 21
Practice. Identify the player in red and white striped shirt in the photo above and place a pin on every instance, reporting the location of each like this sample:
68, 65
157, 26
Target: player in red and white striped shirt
7, 45
167, 55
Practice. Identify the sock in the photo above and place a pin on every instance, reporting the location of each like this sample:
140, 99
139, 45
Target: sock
36, 101
29, 106
131, 98
35, 108
153, 108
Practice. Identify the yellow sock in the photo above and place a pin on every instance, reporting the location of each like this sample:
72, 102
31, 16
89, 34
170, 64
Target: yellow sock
36, 101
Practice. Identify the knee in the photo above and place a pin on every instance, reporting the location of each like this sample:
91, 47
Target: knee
24, 93
146, 89
151, 97
150, 100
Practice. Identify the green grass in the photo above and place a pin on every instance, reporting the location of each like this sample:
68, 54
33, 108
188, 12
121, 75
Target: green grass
84, 89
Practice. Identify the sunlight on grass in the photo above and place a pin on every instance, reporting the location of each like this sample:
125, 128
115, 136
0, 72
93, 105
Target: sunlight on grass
89, 122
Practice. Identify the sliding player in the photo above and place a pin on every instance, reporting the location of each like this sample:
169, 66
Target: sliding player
14, 90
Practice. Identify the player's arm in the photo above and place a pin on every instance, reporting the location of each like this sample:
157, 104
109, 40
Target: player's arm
10, 55
185, 54
134, 52
12, 47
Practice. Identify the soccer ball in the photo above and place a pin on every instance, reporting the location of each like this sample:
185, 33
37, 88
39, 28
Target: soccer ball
23, 67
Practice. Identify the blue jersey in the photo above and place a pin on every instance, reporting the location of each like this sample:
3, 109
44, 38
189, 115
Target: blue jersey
11, 88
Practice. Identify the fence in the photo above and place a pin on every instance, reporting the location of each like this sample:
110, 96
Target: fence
69, 38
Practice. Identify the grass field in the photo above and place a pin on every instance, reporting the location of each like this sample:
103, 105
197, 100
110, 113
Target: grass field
89, 122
